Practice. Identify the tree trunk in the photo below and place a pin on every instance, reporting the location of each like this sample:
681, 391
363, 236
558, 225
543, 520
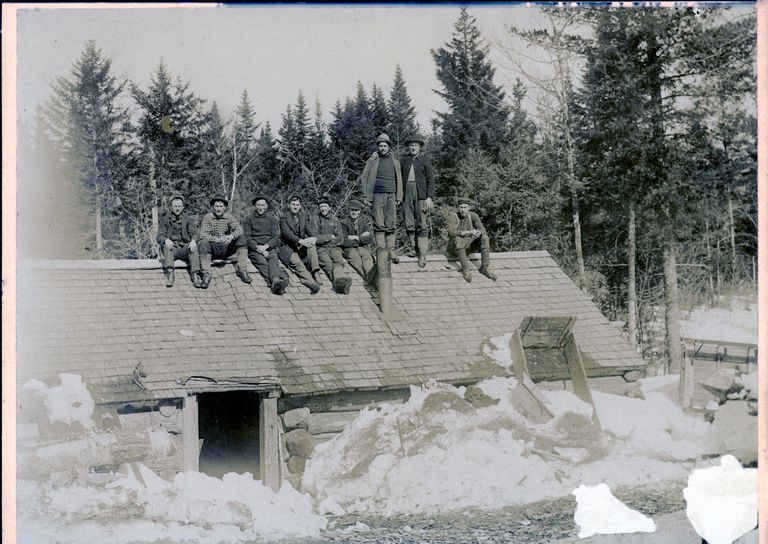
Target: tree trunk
710, 281
583, 284
631, 278
732, 236
672, 310
99, 239
155, 209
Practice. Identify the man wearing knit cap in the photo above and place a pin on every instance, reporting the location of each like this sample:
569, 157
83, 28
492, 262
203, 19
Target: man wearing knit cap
383, 188
221, 236
467, 235
329, 238
262, 233
356, 245
419, 191
298, 249
177, 237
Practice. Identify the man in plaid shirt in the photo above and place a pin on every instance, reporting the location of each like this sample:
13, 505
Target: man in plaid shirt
221, 236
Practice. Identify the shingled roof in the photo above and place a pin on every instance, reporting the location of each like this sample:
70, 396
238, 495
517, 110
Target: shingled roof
101, 319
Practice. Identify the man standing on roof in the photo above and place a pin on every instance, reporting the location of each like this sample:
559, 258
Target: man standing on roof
298, 248
221, 236
419, 191
383, 188
356, 244
262, 233
467, 235
178, 237
329, 238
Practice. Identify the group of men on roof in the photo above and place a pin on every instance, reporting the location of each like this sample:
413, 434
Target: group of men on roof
309, 245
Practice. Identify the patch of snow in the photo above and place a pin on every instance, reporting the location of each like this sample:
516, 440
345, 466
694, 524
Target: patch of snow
599, 512
358, 527
69, 402
438, 453
722, 501
735, 324
654, 382
498, 350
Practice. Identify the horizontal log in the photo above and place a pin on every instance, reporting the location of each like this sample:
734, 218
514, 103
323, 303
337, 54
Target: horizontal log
96, 449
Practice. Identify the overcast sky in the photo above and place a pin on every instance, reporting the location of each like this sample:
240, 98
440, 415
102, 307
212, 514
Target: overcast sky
271, 51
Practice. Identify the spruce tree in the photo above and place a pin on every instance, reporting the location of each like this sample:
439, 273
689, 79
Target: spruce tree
402, 115
379, 113
477, 114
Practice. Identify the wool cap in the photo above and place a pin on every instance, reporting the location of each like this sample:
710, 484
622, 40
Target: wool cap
258, 197
355, 205
219, 198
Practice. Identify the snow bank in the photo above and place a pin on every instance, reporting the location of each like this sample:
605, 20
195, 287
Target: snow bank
195, 507
70, 402
737, 323
722, 501
599, 512
438, 453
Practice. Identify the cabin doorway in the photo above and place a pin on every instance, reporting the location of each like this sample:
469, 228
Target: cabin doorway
229, 430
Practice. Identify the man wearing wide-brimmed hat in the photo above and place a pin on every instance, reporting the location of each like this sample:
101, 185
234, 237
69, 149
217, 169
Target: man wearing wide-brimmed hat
356, 245
262, 233
383, 188
419, 191
177, 237
467, 235
221, 236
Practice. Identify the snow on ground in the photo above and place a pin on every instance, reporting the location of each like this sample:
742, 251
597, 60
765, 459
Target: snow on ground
599, 512
736, 323
438, 453
194, 508
68, 402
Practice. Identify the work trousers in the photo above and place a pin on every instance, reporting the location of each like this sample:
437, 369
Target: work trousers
414, 214
361, 259
216, 250
464, 245
384, 212
181, 251
297, 262
268, 267
332, 262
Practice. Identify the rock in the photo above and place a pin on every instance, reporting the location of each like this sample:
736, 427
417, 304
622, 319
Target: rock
296, 464
634, 391
294, 480
296, 419
722, 382
299, 442
477, 398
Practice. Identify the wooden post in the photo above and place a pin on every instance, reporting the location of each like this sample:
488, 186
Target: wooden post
269, 442
519, 363
578, 374
190, 434
685, 387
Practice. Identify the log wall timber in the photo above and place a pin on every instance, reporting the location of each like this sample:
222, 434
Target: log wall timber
190, 434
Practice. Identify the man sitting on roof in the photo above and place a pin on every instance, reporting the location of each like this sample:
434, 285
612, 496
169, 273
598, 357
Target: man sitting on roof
329, 237
467, 235
177, 237
262, 233
356, 243
298, 249
221, 236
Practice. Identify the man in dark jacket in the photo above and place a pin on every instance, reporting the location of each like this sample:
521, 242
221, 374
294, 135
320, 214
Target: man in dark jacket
221, 236
178, 237
356, 244
262, 233
467, 235
383, 188
418, 176
329, 238
298, 249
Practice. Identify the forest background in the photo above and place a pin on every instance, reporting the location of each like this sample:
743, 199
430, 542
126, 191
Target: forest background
631, 158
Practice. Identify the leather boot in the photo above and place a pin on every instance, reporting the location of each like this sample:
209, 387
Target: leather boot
205, 280
393, 257
485, 263
196, 279
242, 265
278, 285
170, 276
412, 248
423, 245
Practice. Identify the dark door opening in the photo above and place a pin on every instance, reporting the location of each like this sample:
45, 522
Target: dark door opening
229, 428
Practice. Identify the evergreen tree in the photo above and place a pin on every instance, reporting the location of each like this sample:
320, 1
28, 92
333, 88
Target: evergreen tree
477, 115
402, 115
379, 113
267, 167
92, 127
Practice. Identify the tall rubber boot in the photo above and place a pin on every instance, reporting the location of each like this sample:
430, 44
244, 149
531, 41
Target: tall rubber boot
464, 260
485, 263
423, 245
412, 249
205, 274
380, 239
242, 265
393, 258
